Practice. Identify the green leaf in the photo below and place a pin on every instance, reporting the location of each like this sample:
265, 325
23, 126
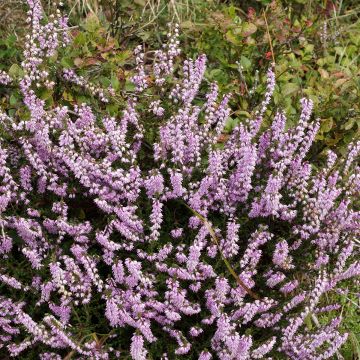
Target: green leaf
67, 96
92, 23
231, 37
248, 29
230, 124
129, 86
289, 88
309, 48
349, 124
245, 62
113, 109
308, 322
15, 71
45, 94
347, 138
13, 99
243, 113
326, 125
219, 76
115, 83
67, 62
80, 39
122, 56
232, 11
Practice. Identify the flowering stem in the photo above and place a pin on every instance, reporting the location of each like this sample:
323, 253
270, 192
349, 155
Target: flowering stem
228, 265
317, 323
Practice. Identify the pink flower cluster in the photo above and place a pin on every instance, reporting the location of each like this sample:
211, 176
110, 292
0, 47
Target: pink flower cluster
202, 250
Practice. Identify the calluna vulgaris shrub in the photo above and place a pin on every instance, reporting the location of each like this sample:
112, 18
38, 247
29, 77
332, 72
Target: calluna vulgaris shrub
194, 246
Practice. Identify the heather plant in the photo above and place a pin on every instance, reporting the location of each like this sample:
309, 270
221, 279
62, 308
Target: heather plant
183, 244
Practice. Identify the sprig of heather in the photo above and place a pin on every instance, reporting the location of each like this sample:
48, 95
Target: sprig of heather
255, 219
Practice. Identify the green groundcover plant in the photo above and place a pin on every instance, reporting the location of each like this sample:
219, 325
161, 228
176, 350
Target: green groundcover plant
155, 234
